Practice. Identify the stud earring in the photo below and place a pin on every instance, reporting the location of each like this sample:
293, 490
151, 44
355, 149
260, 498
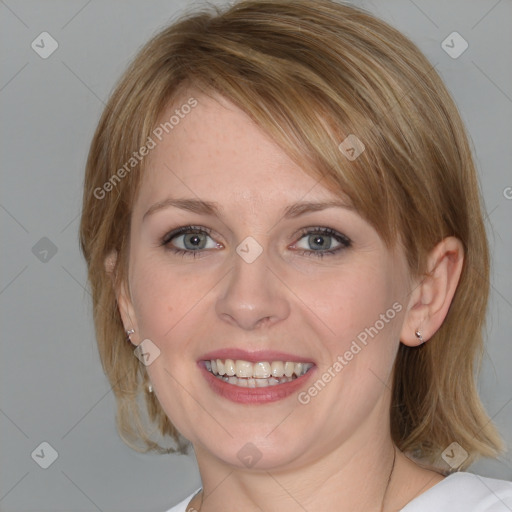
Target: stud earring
419, 336
150, 388
129, 333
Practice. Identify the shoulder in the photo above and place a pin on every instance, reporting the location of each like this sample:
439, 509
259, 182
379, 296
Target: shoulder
458, 492
465, 492
182, 505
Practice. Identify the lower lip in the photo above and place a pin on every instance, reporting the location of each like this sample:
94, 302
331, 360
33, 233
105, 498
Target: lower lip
254, 395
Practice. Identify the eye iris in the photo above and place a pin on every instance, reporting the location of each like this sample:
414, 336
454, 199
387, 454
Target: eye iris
319, 242
198, 241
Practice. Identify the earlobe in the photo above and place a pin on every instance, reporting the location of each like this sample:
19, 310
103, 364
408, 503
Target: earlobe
127, 313
123, 299
419, 336
433, 294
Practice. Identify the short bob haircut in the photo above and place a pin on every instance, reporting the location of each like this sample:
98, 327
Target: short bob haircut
309, 73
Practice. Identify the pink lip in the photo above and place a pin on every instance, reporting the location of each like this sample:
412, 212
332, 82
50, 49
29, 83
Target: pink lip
253, 357
253, 395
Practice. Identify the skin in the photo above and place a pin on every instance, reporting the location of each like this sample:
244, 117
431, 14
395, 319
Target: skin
335, 452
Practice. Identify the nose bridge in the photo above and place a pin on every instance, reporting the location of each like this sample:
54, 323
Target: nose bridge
251, 294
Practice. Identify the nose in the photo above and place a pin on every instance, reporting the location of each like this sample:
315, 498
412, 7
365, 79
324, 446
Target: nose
252, 295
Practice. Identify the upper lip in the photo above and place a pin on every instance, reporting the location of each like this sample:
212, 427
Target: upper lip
253, 356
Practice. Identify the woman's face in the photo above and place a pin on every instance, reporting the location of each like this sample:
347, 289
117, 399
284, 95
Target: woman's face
263, 280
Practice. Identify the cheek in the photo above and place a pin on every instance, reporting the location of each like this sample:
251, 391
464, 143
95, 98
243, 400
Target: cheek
360, 310
351, 300
166, 304
162, 296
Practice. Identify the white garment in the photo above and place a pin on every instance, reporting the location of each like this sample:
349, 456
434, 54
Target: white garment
458, 492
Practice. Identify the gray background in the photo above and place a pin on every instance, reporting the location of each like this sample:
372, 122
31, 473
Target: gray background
52, 385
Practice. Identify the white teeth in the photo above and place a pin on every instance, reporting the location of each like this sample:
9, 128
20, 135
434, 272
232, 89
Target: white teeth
254, 383
262, 370
289, 368
277, 368
244, 369
229, 366
261, 374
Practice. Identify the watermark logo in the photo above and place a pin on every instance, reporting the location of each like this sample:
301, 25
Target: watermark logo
44, 250
146, 352
454, 455
150, 144
249, 249
44, 455
342, 360
249, 455
44, 45
351, 147
454, 45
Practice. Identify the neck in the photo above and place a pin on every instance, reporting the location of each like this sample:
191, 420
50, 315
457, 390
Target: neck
351, 478
328, 473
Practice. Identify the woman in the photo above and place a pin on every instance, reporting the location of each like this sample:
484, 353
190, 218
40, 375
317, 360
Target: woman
281, 214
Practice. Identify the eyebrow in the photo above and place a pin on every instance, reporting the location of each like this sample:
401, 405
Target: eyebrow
212, 208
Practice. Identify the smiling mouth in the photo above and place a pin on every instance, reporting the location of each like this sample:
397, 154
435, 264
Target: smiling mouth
256, 375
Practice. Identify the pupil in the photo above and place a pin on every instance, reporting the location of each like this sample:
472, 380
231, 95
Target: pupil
194, 241
319, 241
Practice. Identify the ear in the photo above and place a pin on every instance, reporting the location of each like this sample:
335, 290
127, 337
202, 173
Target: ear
124, 302
433, 294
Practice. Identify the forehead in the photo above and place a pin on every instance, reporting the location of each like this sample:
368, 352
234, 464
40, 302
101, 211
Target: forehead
216, 152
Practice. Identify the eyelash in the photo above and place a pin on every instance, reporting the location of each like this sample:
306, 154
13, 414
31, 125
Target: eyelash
339, 237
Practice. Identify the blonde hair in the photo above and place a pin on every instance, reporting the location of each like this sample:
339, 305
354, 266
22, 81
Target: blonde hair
311, 72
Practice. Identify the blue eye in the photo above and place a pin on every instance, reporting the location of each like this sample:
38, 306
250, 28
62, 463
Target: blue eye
190, 239
322, 241
193, 240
